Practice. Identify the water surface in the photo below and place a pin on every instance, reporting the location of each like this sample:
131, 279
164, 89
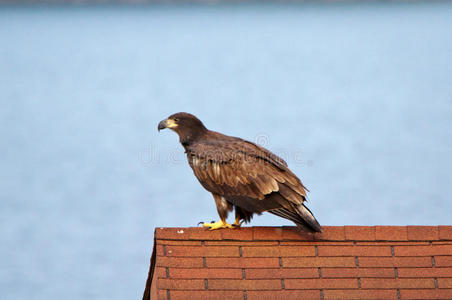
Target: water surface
357, 99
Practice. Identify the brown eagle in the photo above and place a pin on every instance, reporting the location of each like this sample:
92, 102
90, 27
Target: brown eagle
241, 175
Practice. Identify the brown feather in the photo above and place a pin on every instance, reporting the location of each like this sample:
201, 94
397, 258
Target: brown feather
290, 194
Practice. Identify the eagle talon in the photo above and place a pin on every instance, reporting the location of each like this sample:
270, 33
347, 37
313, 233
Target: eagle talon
237, 224
217, 225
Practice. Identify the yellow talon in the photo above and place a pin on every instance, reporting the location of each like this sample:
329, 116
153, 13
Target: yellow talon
217, 225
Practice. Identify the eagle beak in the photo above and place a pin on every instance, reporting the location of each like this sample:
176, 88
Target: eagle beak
167, 123
162, 125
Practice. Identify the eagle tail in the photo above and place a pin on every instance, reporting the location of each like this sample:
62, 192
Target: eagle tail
308, 219
301, 216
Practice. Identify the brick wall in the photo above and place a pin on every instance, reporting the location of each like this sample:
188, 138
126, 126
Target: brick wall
344, 262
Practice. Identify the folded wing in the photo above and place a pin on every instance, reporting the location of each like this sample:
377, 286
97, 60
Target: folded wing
252, 178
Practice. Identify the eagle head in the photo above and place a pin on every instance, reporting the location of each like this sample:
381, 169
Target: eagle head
186, 125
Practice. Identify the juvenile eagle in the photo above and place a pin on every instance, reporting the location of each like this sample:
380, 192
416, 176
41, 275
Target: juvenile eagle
241, 175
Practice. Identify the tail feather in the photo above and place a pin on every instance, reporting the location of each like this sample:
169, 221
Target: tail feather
308, 218
300, 215
286, 214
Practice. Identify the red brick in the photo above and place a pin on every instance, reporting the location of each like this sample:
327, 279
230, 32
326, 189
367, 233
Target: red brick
181, 284
205, 273
390, 283
445, 232
241, 234
162, 295
440, 242
316, 243
282, 294
181, 262
268, 251
179, 242
360, 294
425, 272
281, 273
203, 251
240, 243
244, 284
357, 272
445, 283
206, 295
159, 250
422, 233
267, 233
195, 233
160, 272
171, 234
395, 261
391, 233
423, 250
242, 262
360, 233
332, 233
443, 261
354, 251
391, 243
278, 251
318, 262
321, 283
293, 233
426, 294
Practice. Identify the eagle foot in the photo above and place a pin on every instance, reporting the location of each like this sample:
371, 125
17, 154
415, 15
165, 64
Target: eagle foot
217, 225
237, 223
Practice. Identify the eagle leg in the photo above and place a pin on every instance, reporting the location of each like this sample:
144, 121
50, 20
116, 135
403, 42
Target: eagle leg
222, 207
217, 225
241, 216
237, 222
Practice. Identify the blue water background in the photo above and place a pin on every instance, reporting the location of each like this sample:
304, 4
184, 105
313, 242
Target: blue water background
357, 98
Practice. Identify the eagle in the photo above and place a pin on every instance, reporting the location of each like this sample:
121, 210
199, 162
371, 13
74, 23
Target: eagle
241, 175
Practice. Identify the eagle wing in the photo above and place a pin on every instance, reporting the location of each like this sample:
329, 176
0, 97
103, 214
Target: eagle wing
249, 176
241, 168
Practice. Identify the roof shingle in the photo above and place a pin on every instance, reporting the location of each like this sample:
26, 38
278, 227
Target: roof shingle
342, 262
